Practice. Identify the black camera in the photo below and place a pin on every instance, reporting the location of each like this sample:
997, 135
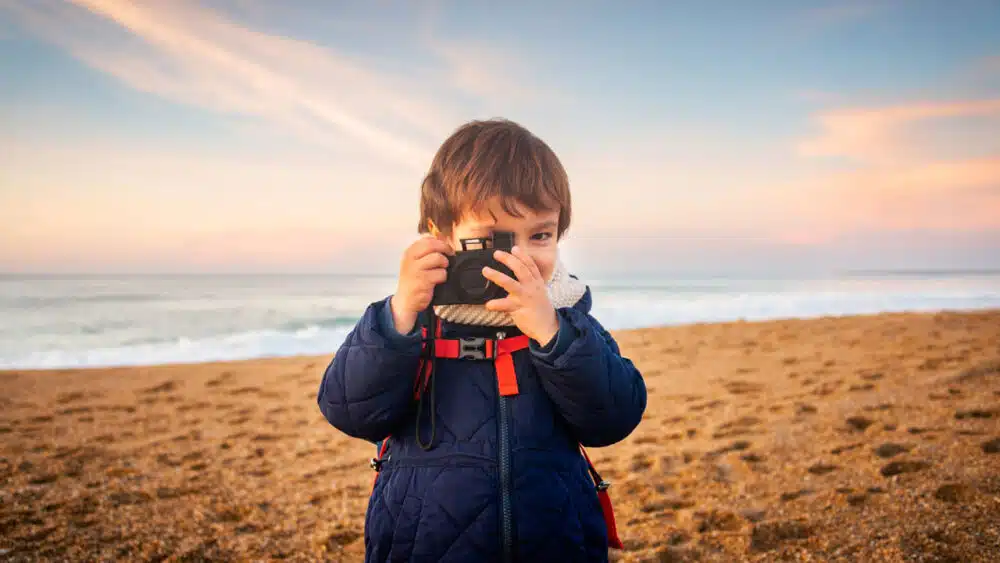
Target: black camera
466, 284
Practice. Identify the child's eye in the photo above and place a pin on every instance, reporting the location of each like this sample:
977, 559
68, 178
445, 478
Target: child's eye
541, 236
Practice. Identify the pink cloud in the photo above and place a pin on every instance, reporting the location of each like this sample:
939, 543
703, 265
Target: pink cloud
898, 183
878, 134
947, 195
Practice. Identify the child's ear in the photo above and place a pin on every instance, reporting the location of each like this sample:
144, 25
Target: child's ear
433, 229
436, 233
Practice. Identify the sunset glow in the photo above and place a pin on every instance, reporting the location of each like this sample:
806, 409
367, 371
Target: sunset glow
240, 136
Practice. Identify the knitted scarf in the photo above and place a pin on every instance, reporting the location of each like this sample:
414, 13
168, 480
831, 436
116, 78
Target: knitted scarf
564, 291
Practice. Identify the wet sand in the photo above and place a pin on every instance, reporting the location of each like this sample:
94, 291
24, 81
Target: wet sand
873, 438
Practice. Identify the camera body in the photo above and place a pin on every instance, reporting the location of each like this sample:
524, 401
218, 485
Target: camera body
465, 284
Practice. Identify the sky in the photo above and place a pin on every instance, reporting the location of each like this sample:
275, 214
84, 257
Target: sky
699, 136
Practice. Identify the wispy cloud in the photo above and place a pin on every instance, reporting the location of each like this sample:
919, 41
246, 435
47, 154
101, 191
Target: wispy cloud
896, 183
878, 134
816, 96
192, 55
961, 195
840, 12
982, 74
478, 70
817, 19
989, 66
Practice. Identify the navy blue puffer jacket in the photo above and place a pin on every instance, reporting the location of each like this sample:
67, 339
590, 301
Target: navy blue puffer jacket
504, 480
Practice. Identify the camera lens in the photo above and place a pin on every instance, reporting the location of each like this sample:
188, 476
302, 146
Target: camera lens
471, 279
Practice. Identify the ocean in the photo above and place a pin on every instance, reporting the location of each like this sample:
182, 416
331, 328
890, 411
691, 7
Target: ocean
91, 321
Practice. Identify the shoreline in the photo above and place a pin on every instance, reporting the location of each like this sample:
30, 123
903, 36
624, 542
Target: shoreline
860, 437
616, 332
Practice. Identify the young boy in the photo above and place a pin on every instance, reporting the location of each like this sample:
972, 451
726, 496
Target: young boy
485, 465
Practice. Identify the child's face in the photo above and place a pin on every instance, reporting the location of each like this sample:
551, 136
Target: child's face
534, 232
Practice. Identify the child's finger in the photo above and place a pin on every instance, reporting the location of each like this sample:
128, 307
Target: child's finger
436, 276
432, 260
514, 263
501, 279
528, 260
429, 245
504, 305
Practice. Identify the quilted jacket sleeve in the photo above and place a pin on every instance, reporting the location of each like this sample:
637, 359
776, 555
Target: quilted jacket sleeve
599, 393
368, 387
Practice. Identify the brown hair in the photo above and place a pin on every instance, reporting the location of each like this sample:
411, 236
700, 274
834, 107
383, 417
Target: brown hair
487, 159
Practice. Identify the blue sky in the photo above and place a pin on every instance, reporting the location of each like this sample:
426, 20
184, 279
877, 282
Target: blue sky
699, 136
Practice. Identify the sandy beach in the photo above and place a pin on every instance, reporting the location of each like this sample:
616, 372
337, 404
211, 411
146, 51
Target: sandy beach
872, 438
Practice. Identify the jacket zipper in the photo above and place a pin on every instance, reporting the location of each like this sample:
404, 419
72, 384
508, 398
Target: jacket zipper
507, 517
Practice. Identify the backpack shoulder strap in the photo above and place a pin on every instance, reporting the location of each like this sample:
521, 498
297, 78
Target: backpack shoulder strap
605, 499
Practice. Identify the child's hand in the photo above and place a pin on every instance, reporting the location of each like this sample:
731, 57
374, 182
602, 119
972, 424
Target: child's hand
424, 265
527, 301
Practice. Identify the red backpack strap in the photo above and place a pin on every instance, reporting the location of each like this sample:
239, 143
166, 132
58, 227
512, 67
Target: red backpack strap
605, 499
420, 380
427, 353
504, 361
426, 381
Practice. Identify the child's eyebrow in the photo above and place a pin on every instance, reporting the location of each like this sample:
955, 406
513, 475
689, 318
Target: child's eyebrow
546, 225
